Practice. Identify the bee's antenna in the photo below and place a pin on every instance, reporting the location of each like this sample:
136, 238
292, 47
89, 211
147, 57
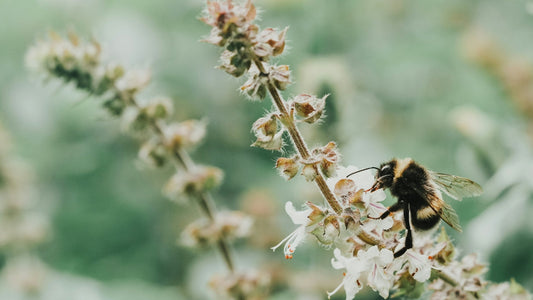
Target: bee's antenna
361, 171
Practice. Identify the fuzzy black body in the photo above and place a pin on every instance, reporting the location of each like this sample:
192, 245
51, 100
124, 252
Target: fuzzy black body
407, 186
410, 183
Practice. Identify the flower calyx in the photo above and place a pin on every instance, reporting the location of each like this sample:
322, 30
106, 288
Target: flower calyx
267, 132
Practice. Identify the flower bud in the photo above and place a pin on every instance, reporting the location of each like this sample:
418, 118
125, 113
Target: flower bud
197, 180
267, 134
310, 108
184, 134
288, 167
280, 76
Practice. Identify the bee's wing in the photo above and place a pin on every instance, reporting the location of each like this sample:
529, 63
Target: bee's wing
455, 186
443, 209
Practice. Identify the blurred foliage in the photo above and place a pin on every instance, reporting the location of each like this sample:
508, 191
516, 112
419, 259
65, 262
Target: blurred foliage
398, 77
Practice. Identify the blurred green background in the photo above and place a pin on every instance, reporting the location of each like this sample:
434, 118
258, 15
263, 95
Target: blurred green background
448, 83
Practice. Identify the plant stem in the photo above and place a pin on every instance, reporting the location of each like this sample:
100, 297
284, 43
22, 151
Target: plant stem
442, 275
297, 139
205, 200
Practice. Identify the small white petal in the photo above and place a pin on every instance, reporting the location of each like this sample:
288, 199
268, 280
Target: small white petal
297, 217
419, 265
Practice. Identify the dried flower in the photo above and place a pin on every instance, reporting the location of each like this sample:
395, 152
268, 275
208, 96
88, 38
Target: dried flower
280, 76
197, 180
269, 42
328, 157
267, 134
256, 85
184, 134
308, 107
288, 167
228, 225
229, 17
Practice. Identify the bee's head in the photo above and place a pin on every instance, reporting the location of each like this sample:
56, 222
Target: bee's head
384, 176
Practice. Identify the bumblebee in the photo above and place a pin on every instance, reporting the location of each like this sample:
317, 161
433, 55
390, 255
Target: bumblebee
418, 191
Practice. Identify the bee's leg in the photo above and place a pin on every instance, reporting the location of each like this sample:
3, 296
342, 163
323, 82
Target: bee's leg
393, 208
409, 237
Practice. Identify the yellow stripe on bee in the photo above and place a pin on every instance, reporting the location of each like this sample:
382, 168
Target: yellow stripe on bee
401, 164
425, 213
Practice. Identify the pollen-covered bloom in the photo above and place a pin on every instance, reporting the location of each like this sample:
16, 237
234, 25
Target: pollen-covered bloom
308, 220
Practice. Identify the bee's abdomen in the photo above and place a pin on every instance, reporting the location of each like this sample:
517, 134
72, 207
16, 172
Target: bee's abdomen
423, 217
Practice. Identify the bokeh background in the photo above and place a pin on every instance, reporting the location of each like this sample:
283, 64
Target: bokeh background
448, 83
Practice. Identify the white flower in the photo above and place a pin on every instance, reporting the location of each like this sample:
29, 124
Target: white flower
354, 267
377, 226
297, 236
371, 265
418, 264
377, 261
